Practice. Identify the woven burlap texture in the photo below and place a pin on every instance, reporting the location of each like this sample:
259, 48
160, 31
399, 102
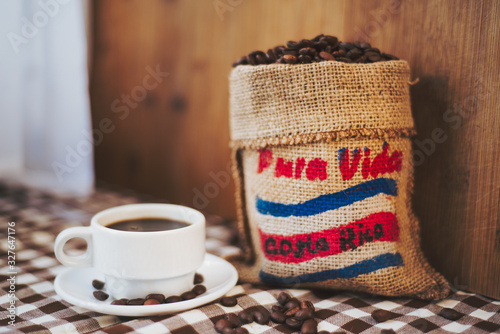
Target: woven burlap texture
314, 111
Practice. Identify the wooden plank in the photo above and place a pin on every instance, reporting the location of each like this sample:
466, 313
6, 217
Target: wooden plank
173, 143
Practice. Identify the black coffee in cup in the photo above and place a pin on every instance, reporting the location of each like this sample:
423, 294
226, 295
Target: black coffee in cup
147, 225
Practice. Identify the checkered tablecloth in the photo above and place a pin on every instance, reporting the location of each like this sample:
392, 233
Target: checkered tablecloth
39, 217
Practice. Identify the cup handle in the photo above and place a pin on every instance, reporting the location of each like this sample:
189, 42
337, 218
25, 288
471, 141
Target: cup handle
83, 260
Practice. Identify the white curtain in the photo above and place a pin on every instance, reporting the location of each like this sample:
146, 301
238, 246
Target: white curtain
45, 128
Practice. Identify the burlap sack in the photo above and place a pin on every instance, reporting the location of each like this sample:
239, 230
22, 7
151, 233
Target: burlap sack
323, 169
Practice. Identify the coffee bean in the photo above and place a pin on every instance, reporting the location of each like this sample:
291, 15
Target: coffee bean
283, 298
331, 40
304, 313
118, 302
354, 53
346, 46
292, 45
151, 301
158, 296
278, 317
277, 307
289, 59
307, 304
373, 56
338, 54
98, 284
271, 56
173, 299
310, 326
305, 59
198, 278
136, 301
387, 331
450, 314
326, 55
291, 312
228, 330
293, 323
100, 295
241, 330
246, 316
382, 315
292, 303
344, 60
199, 289
305, 43
261, 316
317, 38
321, 45
233, 319
188, 295
221, 324
228, 301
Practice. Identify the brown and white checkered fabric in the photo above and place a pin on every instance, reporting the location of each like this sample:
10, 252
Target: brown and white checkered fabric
40, 217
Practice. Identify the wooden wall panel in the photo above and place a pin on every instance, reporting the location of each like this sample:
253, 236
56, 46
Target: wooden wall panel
174, 141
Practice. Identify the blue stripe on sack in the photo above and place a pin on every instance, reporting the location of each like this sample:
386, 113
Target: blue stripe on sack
328, 202
363, 267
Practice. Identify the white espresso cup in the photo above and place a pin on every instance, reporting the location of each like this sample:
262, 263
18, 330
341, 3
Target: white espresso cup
135, 263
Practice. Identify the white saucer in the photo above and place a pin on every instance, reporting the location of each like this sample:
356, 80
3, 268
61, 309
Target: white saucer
74, 285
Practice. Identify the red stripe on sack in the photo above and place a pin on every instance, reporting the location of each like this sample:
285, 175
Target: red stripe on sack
380, 226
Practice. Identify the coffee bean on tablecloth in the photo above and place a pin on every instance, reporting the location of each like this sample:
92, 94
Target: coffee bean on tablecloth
188, 295
222, 324
100, 295
228, 301
118, 302
307, 304
292, 303
158, 296
278, 317
99, 285
136, 301
198, 278
293, 323
387, 331
261, 316
241, 330
246, 316
151, 301
172, 299
277, 307
233, 319
291, 312
199, 289
283, 298
450, 314
304, 313
382, 315
310, 326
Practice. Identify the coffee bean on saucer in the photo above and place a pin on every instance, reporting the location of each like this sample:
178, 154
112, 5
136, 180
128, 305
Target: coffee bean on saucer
283, 298
188, 295
246, 316
151, 301
278, 317
241, 330
222, 324
158, 296
198, 278
233, 319
173, 299
118, 302
310, 326
98, 284
450, 314
100, 295
293, 323
136, 301
228, 301
199, 289
382, 315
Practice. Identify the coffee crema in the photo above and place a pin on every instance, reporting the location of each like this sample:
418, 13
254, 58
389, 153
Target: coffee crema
147, 225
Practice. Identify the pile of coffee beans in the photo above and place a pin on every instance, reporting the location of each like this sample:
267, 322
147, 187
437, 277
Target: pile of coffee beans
295, 314
320, 48
153, 298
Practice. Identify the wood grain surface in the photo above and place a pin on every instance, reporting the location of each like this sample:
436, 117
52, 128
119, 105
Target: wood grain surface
169, 136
